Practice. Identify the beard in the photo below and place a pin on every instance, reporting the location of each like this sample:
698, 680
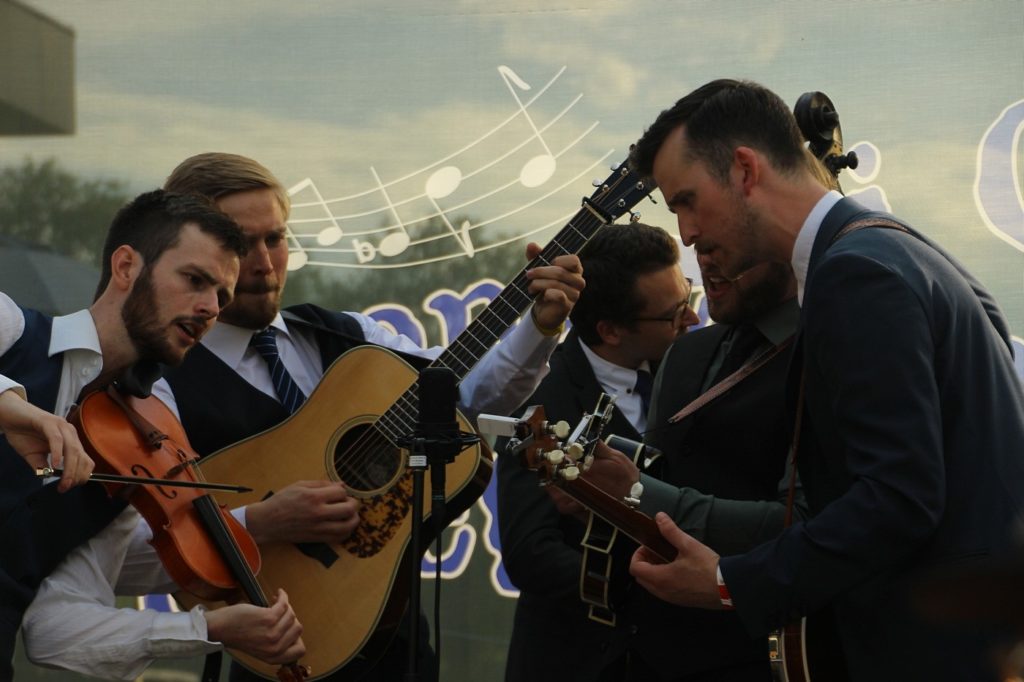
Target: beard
142, 322
763, 288
254, 307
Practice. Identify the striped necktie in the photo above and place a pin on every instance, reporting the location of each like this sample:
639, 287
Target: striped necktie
288, 392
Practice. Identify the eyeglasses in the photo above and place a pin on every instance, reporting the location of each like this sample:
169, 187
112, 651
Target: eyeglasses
680, 312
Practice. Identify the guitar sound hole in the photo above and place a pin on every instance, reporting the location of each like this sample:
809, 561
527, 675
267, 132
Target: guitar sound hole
365, 460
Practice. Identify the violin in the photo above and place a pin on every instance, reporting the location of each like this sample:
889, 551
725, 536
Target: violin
204, 549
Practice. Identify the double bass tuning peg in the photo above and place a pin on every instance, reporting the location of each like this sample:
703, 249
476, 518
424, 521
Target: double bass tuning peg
837, 162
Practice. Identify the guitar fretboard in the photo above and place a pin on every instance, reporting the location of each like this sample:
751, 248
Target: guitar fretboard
616, 196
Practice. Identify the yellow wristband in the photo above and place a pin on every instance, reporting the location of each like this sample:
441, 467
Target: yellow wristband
546, 331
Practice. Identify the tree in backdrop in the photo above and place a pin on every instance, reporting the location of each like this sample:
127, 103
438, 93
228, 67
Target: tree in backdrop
42, 203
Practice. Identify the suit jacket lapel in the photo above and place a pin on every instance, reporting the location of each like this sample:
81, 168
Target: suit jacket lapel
588, 390
700, 350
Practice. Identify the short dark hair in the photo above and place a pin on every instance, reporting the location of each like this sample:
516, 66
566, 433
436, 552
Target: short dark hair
151, 223
719, 117
612, 261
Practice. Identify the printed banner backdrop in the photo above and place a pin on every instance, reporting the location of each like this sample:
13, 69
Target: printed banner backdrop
424, 143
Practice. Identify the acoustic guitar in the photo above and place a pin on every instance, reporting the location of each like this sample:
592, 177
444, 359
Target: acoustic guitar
351, 596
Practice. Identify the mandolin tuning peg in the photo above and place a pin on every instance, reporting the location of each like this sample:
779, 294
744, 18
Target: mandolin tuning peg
559, 429
575, 451
554, 456
569, 473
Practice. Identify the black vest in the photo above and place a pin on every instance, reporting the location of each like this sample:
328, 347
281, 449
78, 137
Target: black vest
38, 525
218, 408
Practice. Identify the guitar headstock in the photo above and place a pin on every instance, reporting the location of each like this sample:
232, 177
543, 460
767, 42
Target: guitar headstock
621, 191
552, 450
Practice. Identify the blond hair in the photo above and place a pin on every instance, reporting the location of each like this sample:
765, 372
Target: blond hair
214, 175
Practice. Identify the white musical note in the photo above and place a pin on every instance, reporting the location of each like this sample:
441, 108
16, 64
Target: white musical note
330, 234
540, 168
396, 242
440, 184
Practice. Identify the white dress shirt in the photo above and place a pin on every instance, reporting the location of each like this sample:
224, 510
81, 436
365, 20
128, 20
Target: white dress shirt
74, 623
505, 377
620, 382
9, 384
74, 335
805, 239
57, 629
65, 626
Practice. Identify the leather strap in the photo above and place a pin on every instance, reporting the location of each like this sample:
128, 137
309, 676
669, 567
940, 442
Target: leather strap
725, 384
868, 222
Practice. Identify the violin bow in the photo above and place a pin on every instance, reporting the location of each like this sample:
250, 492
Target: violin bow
140, 480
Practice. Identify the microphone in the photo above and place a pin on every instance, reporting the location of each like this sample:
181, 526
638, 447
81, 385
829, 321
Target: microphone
438, 430
436, 423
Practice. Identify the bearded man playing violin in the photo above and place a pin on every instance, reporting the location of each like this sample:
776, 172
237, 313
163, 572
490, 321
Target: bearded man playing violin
170, 264
225, 392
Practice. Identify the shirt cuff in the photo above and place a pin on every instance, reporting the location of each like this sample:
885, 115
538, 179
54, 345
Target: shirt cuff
7, 384
723, 591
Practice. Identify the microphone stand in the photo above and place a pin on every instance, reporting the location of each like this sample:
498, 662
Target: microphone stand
435, 443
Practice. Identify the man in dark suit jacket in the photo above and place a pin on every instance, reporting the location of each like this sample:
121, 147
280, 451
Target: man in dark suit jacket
722, 476
911, 450
635, 303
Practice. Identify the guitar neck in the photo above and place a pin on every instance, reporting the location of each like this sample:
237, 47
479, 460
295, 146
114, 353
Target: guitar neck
635, 524
484, 331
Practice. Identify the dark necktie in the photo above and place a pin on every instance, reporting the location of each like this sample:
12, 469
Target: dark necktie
744, 342
644, 382
288, 392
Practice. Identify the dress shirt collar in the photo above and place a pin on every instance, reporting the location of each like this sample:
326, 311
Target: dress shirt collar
805, 239
613, 378
76, 331
229, 342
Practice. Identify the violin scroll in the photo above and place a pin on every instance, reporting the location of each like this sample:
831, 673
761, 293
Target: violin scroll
818, 121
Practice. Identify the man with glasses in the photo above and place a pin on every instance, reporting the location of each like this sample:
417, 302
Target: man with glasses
635, 304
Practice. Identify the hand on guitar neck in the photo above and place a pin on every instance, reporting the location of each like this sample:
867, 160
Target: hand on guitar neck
610, 471
691, 579
556, 287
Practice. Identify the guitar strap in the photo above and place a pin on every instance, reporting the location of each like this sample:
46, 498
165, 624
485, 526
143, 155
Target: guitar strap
727, 383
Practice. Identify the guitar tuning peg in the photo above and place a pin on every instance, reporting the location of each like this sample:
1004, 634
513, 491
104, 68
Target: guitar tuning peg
651, 197
596, 182
569, 473
554, 456
615, 166
634, 216
559, 429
